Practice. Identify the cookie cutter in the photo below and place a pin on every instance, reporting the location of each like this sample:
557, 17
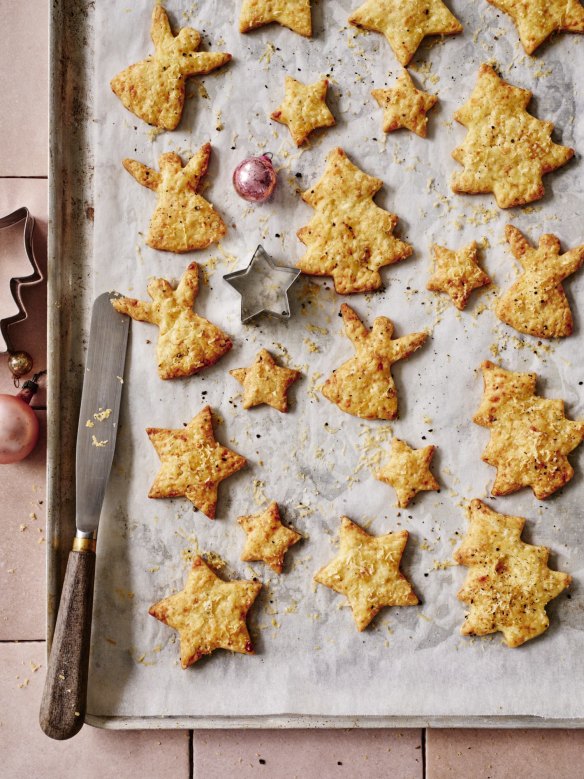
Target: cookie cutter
263, 286
18, 282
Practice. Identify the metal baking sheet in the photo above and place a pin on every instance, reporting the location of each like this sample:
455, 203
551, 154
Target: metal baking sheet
71, 285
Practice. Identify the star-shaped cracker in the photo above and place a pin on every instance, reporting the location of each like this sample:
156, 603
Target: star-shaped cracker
363, 386
294, 14
366, 570
405, 106
457, 273
506, 150
265, 382
405, 23
154, 89
509, 582
187, 342
536, 303
208, 613
267, 538
349, 237
193, 463
530, 436
304, 109
183, 220
408, 471
537, 19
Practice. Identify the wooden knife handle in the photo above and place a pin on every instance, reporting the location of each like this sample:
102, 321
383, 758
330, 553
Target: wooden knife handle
65, 693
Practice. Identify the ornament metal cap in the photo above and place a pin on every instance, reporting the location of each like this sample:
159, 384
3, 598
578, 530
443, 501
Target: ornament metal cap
263, 286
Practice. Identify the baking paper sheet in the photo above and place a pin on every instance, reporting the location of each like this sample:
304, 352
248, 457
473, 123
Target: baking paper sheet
316, 461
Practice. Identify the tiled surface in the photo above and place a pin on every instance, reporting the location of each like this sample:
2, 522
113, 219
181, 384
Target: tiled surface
93, 754
296, 754
504, 754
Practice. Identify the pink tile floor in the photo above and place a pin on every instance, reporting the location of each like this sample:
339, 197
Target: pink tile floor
24, 750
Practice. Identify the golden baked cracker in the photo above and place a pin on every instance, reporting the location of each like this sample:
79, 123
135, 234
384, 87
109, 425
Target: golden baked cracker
506, 150
183, 220
509, 583
456, 273
154, 89
366, 570
267, 538
536, 303
193, 463
408, 471
363, 386
405, 106
208, 613
294, 14
187, 342
265, 382
536, 20
530, 436
405, 23
349, 237
304, 108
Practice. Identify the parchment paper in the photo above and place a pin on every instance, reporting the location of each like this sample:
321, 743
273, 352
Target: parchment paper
316, 461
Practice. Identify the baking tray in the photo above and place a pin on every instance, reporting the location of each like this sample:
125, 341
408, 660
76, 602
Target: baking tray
69, 300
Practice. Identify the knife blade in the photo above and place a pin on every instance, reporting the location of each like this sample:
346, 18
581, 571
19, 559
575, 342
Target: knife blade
64, 697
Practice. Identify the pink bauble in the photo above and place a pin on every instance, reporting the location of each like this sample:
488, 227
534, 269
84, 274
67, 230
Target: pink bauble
19, 429
254, 179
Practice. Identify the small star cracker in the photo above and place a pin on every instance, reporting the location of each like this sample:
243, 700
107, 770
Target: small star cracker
193, 463
208, 613
530, 436
405, 23
366, 570
294, 14
537, 19
509, 582
363, 386
265, 382
408, 471
405, 106
304, 109
506, 150
457, 273
536, 303
267, 538
154, 89
187, 342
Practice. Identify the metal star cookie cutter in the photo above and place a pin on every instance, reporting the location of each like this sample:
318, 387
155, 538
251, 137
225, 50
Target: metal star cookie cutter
263, 286
17, 282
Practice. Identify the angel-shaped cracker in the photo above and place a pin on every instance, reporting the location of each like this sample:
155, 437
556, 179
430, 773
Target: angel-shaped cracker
154, 88
183, 220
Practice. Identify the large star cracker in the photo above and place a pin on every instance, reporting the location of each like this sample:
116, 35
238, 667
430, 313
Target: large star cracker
265, 382
536, 303
405, 106
530, 436
294, 14
187, 342
363, 386
208, 613
536, 20
349, 237
408, 471
267, 538
367, 571
154, 89
509, 582
193, 463
506, 150
456, 273
304, 108
405, 23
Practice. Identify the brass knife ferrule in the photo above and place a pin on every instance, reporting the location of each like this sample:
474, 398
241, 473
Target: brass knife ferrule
81, 544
